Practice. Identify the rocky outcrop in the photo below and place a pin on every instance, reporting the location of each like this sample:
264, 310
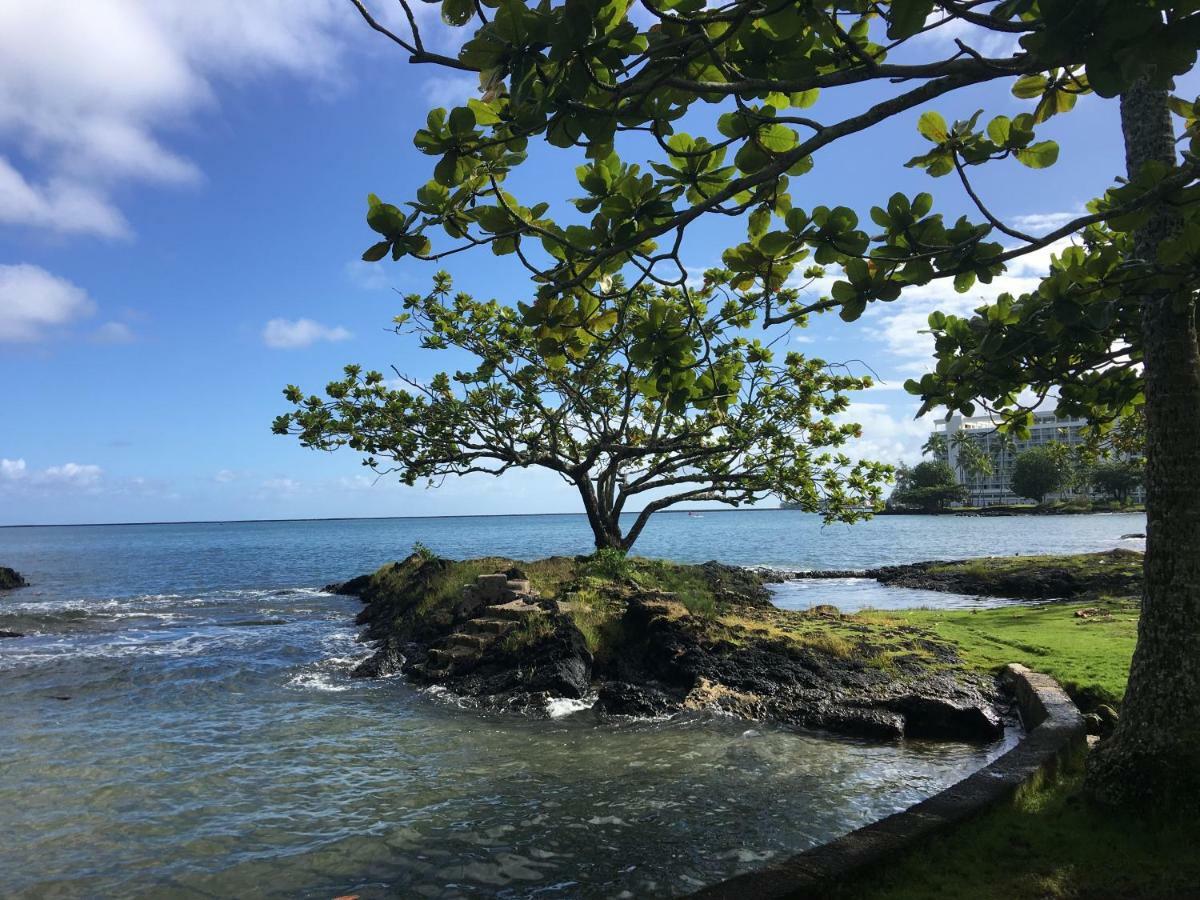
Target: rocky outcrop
498, 642
1115, 572
1112, 572
352, 588
10, 578
667, 665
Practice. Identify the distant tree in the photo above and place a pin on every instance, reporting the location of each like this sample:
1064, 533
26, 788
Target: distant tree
1038, 472
1118, 478
929, 486
734, 425
936, 446
969, 458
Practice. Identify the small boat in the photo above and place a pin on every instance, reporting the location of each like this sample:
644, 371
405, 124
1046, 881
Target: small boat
696, 515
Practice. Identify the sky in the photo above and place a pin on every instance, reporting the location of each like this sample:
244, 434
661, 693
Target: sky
182, 198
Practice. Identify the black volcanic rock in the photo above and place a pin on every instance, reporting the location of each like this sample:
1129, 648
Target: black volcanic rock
10, 578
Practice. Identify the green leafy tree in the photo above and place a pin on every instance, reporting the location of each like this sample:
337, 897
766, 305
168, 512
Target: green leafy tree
929, 486
969, 458
1038, 472
757, 86
1118, 478
739, 425
936, 446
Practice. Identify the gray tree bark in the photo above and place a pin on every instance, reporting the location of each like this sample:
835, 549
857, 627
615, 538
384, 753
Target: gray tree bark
1153, 758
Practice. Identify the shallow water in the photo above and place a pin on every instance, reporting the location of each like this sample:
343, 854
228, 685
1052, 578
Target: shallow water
179, 722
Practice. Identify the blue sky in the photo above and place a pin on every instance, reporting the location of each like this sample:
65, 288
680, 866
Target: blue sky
182, 192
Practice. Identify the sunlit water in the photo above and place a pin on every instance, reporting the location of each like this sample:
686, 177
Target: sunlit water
179, 721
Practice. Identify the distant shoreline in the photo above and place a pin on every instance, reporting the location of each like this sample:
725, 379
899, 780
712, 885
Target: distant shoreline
633, 512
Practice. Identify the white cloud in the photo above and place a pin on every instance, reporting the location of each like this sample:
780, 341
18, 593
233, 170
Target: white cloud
369, 276
68, 476
898, 325
224, 476
890, 435
12, 469
88, 88
113, 333
1041, 223
450, 90
60, 204
287, 334
32, 301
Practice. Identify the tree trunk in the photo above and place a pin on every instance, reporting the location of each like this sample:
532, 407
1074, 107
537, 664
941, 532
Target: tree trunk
606, 531
1153, 758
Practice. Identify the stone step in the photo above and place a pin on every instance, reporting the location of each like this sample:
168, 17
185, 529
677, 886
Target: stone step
487, 625
515, 610
450, 661
477, 642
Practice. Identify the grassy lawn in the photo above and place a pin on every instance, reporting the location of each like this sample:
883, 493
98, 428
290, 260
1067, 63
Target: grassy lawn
1088, 654
1049, 842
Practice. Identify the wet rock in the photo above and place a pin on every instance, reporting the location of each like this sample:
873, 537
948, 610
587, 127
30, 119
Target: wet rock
352, 588
622, 698
736, 584
11, 634
944, 716
387, 660
10, 578
1037, 582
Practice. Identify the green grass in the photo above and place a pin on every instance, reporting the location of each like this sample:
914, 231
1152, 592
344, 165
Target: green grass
1089, 656
1047, 844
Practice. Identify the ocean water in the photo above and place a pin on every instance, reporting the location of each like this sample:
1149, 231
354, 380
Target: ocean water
179, 721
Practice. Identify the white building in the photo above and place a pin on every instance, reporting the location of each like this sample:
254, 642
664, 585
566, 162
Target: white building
1002, 450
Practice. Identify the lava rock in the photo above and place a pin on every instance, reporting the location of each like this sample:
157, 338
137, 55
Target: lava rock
11, 578
352, 588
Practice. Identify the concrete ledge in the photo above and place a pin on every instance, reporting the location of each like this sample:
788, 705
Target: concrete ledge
1055, 732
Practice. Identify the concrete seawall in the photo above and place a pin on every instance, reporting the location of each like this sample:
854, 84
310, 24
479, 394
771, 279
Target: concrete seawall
1055, 732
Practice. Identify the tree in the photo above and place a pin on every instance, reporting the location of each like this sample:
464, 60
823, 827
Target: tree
936, 446
585, 73
1118, 478
1038, 472
969, 458
929, 486
737, 427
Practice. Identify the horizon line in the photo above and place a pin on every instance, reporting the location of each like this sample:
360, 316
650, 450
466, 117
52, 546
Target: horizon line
372, 518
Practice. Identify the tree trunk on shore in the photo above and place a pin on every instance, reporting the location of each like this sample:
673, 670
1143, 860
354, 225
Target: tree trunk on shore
1153, 758
606, 530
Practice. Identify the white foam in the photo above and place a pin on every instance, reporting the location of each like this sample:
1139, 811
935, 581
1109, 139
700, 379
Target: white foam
317, 681
562, 706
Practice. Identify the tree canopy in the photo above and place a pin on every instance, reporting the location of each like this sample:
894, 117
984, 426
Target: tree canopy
1039, 471
1112, 326
741, 423
929, 486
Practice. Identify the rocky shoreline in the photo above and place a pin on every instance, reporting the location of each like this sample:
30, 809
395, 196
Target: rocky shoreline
1115, 572
514, 636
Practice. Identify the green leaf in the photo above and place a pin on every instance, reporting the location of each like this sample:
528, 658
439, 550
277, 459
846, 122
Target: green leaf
1029, 86
932, 127
462, 121
376, 252
457, 12
907, 17
1039, 155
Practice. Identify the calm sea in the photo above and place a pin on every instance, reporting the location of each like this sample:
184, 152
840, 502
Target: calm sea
179, 722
